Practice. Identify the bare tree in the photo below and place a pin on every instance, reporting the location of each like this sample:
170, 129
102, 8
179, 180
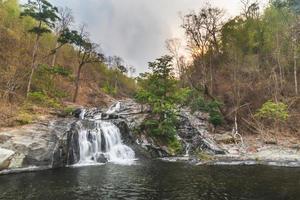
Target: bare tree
203, 30
250, 9
66, 19
131, 70
173, 46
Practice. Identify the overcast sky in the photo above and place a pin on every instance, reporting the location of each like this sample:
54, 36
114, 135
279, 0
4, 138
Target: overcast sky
136, 30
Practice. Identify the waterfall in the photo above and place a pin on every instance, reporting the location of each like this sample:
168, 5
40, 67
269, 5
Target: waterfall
82, 114
102, 144
187, 149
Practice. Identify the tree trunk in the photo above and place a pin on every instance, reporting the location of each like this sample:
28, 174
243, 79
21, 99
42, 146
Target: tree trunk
211, 76
33, 64
295, 72
54, 55
77, 83
281, 74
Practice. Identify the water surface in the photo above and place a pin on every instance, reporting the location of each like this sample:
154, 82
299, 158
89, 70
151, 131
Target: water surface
154, 180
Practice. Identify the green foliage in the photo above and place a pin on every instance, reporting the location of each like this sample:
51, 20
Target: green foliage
175, 147
71, 37
273, 111
42, 99
45, 80
58, 70
68, 111
109, 89
159, 90
54, 70
24, 118
44, 13
215, 117
197, 103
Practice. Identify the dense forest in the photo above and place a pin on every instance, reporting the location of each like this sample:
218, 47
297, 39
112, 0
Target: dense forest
242, 71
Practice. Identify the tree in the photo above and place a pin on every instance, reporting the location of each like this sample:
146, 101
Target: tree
86, 51
116, 63
250, 9
159, 90
45, 15
203, 30
66, 19
131, 70
122, 69
173, 46
86, 54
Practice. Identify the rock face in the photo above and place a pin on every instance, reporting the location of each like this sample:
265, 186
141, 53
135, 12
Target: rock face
33, 145
56, 143
193, 130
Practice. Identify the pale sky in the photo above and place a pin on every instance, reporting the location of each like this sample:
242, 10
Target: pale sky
136, 30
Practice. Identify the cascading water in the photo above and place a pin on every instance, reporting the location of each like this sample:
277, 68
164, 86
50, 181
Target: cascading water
103, 144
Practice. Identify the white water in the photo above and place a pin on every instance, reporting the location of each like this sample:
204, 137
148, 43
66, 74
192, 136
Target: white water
187, 150
114, 108
81, 115
103, 141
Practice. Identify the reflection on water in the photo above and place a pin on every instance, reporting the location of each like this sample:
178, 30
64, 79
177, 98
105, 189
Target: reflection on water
154, 180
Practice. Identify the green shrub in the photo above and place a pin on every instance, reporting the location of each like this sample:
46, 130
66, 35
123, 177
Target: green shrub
273, 111
215, 117
68, 111
175, 146
24, 118
37, 97
59, 70
42, 99
109, 89
197, 103
159, 89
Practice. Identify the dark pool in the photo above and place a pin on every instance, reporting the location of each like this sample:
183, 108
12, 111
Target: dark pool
154, 180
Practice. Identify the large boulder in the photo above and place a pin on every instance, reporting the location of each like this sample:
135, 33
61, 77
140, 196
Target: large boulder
35, 144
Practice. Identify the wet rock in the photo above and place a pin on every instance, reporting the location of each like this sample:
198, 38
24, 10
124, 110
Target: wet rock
100, 158
77, 112
72, 144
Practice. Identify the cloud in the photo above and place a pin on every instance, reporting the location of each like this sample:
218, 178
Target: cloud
136, 30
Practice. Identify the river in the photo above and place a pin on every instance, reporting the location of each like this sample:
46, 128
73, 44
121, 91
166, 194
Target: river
154, 180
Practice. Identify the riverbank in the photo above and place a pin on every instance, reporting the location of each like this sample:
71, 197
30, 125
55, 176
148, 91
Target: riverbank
53, 142
282, 150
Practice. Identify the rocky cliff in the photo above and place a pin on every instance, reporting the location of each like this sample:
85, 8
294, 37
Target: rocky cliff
54, 143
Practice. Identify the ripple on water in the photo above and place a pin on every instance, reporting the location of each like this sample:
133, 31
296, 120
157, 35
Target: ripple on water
154, 180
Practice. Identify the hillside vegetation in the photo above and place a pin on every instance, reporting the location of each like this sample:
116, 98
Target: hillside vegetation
244, 71
43, 59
